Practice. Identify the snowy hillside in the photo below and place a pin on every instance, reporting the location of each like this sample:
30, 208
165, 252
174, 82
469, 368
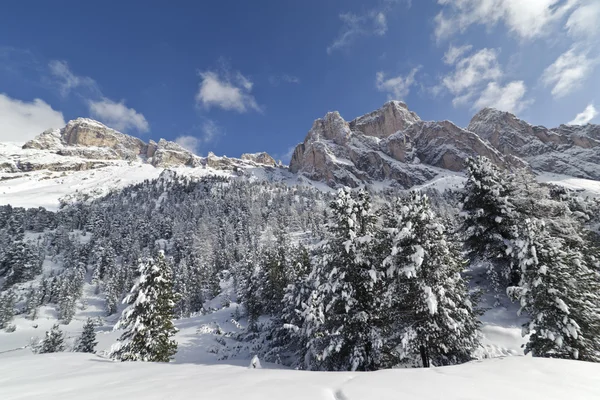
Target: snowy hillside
35, 377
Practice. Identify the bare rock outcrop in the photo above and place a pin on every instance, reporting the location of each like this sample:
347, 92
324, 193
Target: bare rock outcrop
259, 158
391, 143
568, 149
89, 139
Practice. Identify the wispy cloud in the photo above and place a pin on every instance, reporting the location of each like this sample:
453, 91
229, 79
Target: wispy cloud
22, 121
584, 22
209, 132
527, 19
67, 80
476, 81
227, 91
585, 116
506, 98
118, 115
397, 87
470, 71
373, 22
115, 114
568, 72
455, 53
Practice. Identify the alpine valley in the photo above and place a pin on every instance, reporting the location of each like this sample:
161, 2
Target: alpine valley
388, 243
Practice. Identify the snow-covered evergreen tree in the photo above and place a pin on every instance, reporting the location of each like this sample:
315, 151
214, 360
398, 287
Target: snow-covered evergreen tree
340, 316
21, 263
490, 220
7, 308
560, 292
54, 341
148, 320
87, 341
431, 313
32, 302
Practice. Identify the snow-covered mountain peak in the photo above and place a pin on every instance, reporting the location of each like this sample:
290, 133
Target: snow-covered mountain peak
388, 144
394, 116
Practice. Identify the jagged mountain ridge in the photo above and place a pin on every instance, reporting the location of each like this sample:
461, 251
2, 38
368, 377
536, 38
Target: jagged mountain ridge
87, 159
89, 139
568, 149
394, 143
390, 146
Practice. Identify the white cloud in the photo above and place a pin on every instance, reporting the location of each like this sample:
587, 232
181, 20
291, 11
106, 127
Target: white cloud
585, 20
285, 157
118, 115
454, 53
219, 90
528, 19
585, 116
568, 72
472, 71
21, 121
372, 23
505, 98
115, 114
397, 87
476, 78
68, 81
190, 143
210, 132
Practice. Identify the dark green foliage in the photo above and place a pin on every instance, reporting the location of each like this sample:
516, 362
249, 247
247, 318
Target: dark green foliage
54, 341
148, 321
431, 314
87, 341
7, 308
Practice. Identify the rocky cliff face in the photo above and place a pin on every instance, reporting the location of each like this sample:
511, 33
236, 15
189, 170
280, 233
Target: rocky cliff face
391, 143
569, 150
88, 144
90, 139
259, 158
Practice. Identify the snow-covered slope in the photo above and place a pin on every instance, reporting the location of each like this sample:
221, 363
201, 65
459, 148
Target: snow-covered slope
31, 177
90, 377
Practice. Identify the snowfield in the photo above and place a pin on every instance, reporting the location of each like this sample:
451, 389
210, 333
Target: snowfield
91, 377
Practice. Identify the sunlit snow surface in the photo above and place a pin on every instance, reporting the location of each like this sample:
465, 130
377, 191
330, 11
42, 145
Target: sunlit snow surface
67, 376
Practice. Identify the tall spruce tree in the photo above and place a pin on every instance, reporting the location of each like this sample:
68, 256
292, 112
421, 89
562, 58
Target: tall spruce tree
7, 308
87, 341
148, 320
490, 220
32, 302
561, 294
340, 316
430, 312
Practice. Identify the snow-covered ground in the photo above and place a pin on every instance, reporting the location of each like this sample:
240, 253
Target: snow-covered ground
68, 376
587, 187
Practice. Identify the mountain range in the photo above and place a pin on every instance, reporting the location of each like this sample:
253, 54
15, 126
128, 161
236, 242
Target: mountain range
390, 146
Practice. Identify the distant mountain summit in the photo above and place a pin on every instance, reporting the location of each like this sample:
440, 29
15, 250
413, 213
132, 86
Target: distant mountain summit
569, 149
389, 147
91, 140
393, 143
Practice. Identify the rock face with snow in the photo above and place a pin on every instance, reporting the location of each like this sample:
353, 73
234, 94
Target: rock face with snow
259, 158
86, 138
569, 150
391, 143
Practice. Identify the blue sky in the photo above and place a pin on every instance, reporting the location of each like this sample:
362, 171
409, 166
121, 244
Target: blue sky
239, 76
